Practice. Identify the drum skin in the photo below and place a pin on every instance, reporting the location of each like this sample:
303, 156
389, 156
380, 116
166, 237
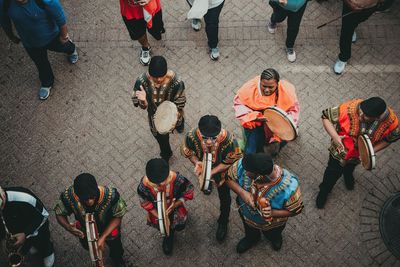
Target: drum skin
366, 151
166, 117
280, 123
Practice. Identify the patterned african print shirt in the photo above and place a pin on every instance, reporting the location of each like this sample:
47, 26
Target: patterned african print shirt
177, 186
173, 91
284, 193
109, 205
346, 120
226, 149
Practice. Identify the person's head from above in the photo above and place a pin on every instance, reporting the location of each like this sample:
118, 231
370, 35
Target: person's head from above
260, 167
157, 171
372, 109
210, 128
86, 188
269, 81
158, 69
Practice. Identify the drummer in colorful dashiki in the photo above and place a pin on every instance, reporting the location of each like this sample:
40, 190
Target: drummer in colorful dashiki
153, 88
178, 190
108, 207
272, 183
344, 124
250, 102
209, 136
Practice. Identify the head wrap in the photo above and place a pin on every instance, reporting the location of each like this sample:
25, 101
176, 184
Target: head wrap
258, 163
157, 170
373, 107
158, 66
85, 186
209, 125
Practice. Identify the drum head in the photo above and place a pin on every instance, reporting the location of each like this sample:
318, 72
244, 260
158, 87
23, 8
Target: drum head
166, 117
366, 151
280, 123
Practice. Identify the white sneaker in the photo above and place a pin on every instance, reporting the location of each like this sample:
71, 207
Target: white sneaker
145, 56
271, 27
196, 24
291, 55
48, 261
354, 37
214, 53
338, 68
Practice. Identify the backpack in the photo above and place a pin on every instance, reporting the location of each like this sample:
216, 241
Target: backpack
7, 3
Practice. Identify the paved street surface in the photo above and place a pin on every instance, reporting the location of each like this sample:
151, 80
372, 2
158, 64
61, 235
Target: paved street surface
90, 125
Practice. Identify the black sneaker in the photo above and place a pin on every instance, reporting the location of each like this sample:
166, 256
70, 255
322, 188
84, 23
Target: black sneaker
245, 244
181, 127
321, 200
168, 244
349, 181
277, 244
222, 230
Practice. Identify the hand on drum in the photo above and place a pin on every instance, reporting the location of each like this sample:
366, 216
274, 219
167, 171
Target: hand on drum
248, 198
76, 232
198, 168
171, 207
141, 94
267, 213
338, 142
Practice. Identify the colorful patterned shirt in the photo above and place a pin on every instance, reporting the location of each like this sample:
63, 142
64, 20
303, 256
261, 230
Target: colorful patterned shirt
226, 149
284, 193
109, 205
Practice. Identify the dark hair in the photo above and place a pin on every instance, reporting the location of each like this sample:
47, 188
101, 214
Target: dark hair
270, 74
158, 66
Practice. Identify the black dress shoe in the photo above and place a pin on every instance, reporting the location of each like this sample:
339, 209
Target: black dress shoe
277, 243
245, 244
222, 230
181, 127
168, 244
321, 200
349, 182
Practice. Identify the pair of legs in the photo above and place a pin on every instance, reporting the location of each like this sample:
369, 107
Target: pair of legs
42, 243
163, 139
252, 236
332, 173
256, 139
349, 24
137, 31
178, 223
293, 24
40, 58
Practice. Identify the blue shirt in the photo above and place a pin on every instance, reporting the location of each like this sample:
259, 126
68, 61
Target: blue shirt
36, 26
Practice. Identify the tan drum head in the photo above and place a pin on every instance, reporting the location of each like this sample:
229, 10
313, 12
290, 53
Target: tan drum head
366, 151
165, 117
280, 123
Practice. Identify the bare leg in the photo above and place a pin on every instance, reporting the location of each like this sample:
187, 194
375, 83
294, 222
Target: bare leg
144, 41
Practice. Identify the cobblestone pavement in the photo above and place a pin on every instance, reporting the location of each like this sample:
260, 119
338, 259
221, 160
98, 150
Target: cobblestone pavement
89, 124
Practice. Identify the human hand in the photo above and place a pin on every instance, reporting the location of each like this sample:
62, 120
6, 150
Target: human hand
248, 199
64, 39
141, 94
76, 232
267, 213
198, 168
101, 243
339, 144
171, 207
19, 239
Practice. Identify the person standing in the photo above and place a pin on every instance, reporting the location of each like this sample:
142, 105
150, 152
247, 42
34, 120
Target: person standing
41, 25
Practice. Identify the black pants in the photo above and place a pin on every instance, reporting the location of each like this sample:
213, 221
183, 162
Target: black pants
165, 147
115, 245
40, 58
333, 172
294, 20
224, 195
349, 24
137, 27
253, 234
211, 18
41, 242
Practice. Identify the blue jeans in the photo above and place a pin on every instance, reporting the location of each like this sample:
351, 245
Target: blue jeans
39, 57
255, 140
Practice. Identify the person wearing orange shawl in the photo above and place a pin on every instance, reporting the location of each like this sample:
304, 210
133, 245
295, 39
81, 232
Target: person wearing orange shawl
344, 123
250, 102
